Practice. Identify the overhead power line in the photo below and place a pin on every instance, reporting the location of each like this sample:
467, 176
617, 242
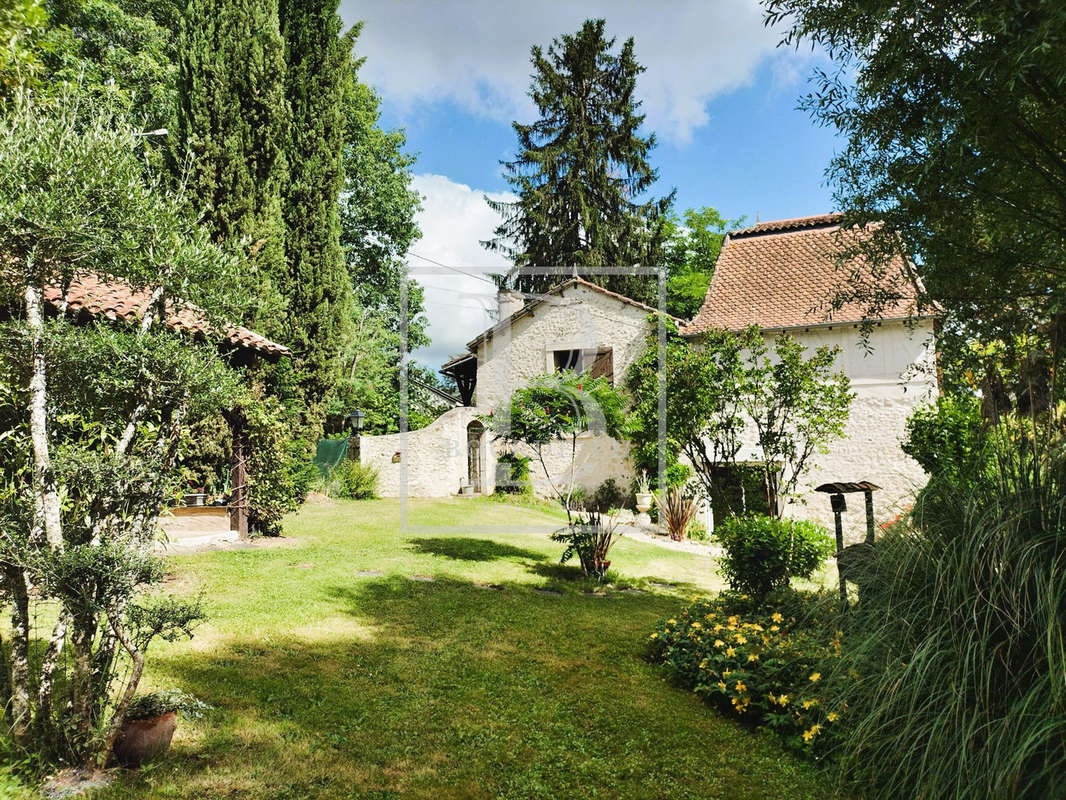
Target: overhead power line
453, 269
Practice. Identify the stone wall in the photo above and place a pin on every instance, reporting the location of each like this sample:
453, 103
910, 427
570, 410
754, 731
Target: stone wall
580, 319
429, 462
889, 380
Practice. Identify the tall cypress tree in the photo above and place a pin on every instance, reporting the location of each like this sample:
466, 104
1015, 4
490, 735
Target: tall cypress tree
317, 79
582, 170
233, 120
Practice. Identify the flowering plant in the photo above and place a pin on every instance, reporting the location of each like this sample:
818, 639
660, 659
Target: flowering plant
764, 665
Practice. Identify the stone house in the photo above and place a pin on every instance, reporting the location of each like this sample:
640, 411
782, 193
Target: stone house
776, 275
779, 275
575, 325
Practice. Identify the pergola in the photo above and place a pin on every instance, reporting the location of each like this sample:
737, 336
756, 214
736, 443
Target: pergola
91, 295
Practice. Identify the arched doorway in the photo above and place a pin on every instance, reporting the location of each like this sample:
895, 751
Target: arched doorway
474, 433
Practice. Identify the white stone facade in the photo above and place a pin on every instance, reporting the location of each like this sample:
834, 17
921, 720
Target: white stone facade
887, 377
889, 380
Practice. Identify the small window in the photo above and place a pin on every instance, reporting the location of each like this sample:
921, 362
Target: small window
595, 362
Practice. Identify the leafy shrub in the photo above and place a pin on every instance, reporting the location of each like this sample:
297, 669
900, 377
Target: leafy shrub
355, 481
281, 469
763, 553
589, 537
697, 531
608, 495
763, 663
958, 639
677, 512
512, 474
949, 437
156, 704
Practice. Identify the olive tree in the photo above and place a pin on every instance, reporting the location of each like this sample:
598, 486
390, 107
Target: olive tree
92, 413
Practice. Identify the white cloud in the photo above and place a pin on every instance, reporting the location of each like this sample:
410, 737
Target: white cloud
454, 219
476, 52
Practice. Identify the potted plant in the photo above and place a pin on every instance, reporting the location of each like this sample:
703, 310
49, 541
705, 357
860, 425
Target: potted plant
644, 495
150, 723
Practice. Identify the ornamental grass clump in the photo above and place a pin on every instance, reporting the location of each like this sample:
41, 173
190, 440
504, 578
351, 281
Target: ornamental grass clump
958, 639
763, 663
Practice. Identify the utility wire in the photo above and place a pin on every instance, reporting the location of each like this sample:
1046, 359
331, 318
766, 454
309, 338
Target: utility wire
453, 269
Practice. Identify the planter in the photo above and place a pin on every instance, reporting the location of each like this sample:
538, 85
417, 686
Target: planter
644, 501
141, 740
193, 499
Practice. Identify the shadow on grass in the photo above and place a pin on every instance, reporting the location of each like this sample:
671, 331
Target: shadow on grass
444, 690
471, 549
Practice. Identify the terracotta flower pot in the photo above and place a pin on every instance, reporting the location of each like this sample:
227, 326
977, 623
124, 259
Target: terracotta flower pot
142, 740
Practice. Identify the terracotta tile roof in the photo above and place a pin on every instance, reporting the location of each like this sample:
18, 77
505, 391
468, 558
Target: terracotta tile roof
569, 282
97, 295
781, 274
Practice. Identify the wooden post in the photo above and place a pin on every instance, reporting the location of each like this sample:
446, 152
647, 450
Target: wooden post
838, 509
238, 479
869, 516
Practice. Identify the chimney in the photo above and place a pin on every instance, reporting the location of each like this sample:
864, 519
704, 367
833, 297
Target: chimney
509, 302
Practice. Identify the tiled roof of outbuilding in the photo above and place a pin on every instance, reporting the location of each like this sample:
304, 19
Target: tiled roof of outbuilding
94, 294
781, 274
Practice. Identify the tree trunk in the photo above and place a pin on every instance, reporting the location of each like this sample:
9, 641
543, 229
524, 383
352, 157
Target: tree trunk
82, 636
21, 712
46, 683
46, 497
119, 717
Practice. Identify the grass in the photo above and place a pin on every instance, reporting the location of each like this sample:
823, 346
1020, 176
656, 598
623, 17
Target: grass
329, 682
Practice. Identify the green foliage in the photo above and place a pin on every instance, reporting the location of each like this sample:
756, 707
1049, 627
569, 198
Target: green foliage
692, 243
702, 415
21, 21
608, 497
317, 79
354, 480
512, 475
949, 437
795, 402
155, 704
378, 208
697, 531
280, 464
763, 553
955, 126
557, 407
115, 53
589, 537
763, 663
234, 123
580, 167
957, 639
83, 484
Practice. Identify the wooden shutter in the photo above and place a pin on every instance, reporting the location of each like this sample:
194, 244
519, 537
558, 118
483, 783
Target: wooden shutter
603, 365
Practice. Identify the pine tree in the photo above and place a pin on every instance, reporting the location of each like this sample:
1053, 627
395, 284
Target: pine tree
318, 78
582, 169
233, 122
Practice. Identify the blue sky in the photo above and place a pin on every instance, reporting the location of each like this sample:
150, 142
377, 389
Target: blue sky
757, 155
718, 92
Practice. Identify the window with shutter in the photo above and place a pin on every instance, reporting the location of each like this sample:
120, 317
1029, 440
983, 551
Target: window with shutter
594, 362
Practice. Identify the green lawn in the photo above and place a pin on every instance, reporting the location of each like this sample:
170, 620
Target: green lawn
328, 683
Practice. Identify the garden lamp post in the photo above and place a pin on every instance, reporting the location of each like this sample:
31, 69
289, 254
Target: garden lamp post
357, 417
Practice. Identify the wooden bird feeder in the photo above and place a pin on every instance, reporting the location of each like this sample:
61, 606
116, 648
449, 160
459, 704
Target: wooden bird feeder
837, 501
